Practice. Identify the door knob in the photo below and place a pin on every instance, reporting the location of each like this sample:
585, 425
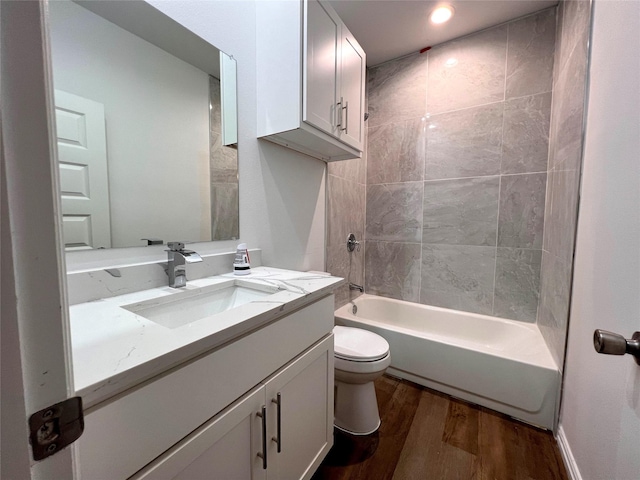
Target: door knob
613, 344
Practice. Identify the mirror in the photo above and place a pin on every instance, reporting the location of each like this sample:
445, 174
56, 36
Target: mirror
147, 127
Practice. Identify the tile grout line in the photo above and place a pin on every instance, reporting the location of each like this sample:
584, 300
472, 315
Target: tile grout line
470, 107
493, 175
495, 265
421, 247
504, 96
424, 171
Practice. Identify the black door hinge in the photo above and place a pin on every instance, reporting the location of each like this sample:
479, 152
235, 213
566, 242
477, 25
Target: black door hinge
55, 427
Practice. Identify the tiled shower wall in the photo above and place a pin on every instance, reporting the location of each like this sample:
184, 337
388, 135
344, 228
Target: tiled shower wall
457, 171
565, 157
346, 187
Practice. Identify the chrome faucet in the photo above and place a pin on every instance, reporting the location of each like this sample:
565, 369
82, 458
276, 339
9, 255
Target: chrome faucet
353, 286
178, 257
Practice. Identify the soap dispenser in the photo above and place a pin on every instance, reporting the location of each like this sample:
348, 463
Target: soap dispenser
241, 264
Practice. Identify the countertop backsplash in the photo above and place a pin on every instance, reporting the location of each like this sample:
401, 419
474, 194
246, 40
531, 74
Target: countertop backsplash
96, 284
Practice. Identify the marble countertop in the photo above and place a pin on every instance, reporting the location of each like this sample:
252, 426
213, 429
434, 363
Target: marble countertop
115, 349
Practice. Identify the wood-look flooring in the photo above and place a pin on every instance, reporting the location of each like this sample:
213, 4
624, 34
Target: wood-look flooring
429, 435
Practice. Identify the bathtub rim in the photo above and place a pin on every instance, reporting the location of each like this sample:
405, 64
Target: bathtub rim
546, 388
546, 361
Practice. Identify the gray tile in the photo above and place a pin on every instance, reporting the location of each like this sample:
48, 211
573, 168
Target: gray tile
396, 152
576, 22
525, 145
555, 285
347, 169
521, 217
477, 76
458, 277
394, 212
355, 169
345, 210
555, 340
215, 104
461, 212
224, 211
464, 143
397, 90
565, 137
348, 265
223, 161
393, 270
530, 52
224, 175
561, 214
553, 310
517, 284
567, 112
559, 41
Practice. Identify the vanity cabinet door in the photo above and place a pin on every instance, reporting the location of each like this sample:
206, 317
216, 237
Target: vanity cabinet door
352, 85
321, 76
305, 391
226, 447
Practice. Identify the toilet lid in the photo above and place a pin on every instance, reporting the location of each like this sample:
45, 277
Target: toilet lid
359, 345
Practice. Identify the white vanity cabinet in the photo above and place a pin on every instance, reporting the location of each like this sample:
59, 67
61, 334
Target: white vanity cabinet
232, 444
227, 447
200, 420
305, 392
311, 80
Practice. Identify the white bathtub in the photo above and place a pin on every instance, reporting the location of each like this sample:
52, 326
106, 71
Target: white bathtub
500, 364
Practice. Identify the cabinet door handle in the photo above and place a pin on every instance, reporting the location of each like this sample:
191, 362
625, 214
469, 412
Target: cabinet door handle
339, 112
263, 455
346, 117
278, 437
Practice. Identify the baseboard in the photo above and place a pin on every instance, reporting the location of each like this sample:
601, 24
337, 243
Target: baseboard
567, 456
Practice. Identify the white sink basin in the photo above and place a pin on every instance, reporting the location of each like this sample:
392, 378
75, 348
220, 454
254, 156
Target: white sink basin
186, 307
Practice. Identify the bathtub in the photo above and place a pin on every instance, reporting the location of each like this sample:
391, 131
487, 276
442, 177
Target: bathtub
500, 364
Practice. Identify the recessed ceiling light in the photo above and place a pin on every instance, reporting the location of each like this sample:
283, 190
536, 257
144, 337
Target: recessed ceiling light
441, 14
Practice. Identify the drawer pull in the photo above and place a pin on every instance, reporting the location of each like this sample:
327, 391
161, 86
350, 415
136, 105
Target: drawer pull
263, 455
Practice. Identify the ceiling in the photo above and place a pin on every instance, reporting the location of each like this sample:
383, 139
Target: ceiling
388, 29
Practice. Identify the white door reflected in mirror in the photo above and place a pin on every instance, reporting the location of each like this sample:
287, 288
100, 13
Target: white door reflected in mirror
84, 184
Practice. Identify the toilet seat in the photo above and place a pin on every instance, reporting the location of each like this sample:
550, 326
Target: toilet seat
362, 368
357, 345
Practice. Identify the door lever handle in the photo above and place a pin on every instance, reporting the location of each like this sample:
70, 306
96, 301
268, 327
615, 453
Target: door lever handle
610, 343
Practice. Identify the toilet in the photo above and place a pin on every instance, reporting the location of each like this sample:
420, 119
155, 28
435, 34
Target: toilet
360, 357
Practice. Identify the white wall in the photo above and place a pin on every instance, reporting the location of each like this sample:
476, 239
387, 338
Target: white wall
157, 122
282, 193
600, 417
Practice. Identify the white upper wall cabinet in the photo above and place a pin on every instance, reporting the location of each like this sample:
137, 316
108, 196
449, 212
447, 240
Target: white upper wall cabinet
311, 80
320, 72
353, 76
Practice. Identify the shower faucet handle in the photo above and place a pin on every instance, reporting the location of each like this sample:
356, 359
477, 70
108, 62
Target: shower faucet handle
352, 243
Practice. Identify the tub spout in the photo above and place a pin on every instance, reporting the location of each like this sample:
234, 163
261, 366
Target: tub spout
353, 286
